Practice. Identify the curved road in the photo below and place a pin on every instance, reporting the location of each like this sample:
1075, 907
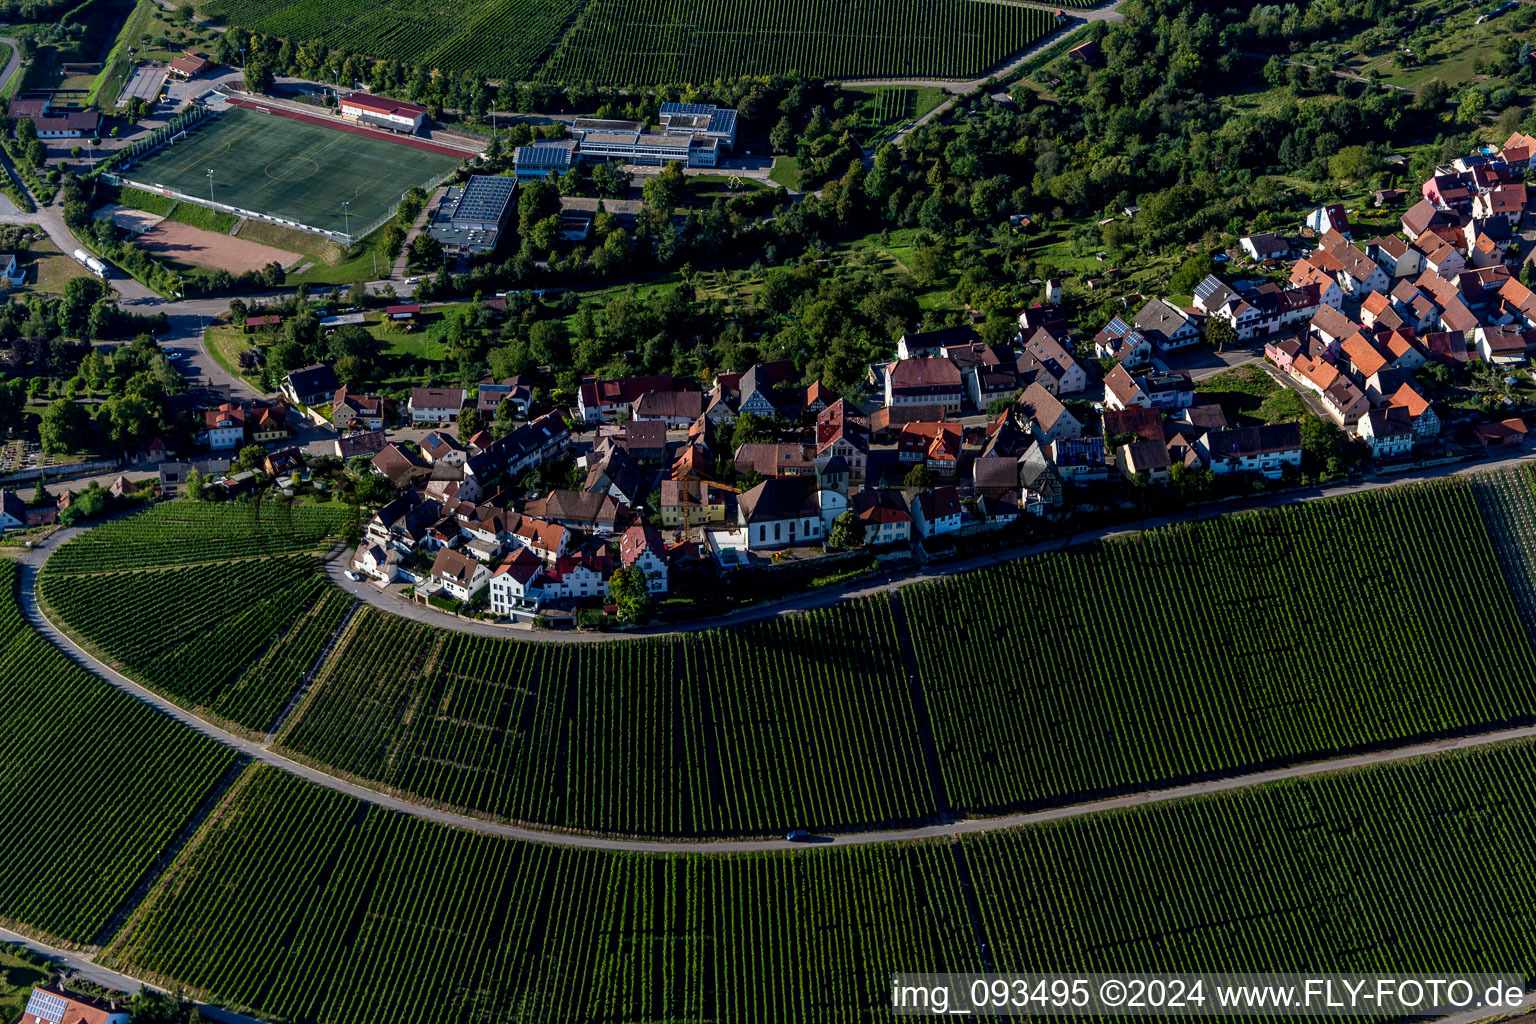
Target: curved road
369, 593
263, 753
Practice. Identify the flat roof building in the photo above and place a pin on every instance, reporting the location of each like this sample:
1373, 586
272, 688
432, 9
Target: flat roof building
471, 217
546, 157
704, 119
649, 148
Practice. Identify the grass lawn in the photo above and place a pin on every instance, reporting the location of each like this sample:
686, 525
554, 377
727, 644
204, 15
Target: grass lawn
305, 243
786, 171
17, 979
423, 340
48, 268
1250, 396
882, 109
225, 343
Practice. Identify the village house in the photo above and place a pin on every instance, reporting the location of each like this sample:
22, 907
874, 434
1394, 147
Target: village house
928, 380
224, 427
1169, 327
312, 385
603, 400
1046, 360
1045, 417
885, 516
435, 405
516, 585
1149, 458
689, 503
1265, 449
935, 445
489, 395
459, 576
1122, 392
593, 512
781, 512
641, 547
49, 1005
266, 424
770, 458
353, 411
674, 410
1388, 431
936, 512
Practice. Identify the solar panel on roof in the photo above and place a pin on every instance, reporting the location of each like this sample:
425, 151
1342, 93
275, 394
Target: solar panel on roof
46, 1005
1118, 327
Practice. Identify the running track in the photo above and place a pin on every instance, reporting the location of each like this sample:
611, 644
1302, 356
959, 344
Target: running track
344, 126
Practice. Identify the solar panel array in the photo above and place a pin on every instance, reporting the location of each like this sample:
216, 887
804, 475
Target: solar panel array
46, 1005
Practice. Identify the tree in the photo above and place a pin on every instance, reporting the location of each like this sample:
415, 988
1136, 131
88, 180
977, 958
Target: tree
197, 488
470, 423
425, 250
782, 138
1190, 273
1219, 332
1352, 163
63, 427
750, 429
919, 478
258, 75
630, 592
847, 531
250, 457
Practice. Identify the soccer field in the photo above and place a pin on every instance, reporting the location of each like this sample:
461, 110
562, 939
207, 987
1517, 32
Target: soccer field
291, 170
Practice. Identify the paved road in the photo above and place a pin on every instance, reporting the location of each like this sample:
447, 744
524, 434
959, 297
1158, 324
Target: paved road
261, 752
371, 594
84, 966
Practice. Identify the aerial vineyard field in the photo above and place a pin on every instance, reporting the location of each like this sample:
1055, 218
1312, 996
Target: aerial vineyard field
343, 913
1221, 647
94, 785
1430, 862
1507, 500
800, 722
229, 640
654, 41
493, 38
185, 532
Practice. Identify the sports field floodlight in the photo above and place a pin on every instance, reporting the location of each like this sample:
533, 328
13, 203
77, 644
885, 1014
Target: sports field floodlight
346, 218
210, 185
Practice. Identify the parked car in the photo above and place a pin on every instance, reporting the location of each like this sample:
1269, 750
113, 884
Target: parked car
799, 835
354, 577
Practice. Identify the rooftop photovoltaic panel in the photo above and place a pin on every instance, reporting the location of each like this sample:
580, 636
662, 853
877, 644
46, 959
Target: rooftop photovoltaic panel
484, 198
46, 1005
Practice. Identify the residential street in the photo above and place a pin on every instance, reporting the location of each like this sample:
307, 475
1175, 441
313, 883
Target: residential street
370, 593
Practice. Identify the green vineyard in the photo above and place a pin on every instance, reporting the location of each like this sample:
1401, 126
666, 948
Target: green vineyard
221, 608
1221, 647
801, 722
655, 41
229, 640
190, 532
1209, 650
493, 38
1363, 871
94, 785
344, 913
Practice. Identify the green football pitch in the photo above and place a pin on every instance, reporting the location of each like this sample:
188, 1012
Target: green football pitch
290, 170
